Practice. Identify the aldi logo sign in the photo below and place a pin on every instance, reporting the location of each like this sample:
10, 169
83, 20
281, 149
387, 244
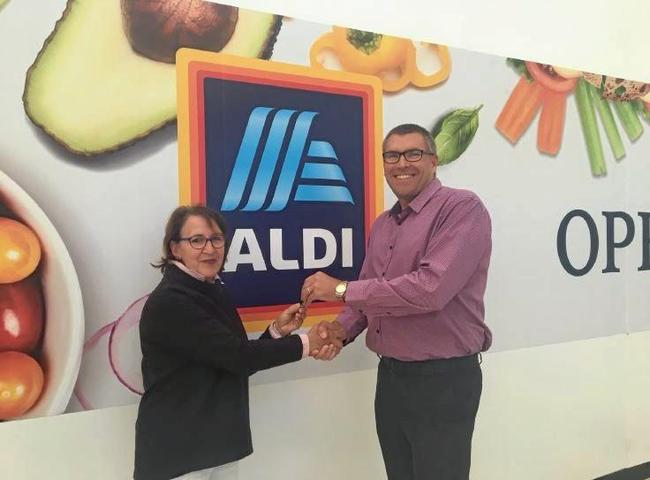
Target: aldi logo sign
290, 162
290, 156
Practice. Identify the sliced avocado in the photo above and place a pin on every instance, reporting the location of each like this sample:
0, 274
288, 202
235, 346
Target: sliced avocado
93, 94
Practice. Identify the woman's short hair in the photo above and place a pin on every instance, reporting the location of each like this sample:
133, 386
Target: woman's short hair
175, 224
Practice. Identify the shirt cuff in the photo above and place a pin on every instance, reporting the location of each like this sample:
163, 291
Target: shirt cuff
305, 344
354, 294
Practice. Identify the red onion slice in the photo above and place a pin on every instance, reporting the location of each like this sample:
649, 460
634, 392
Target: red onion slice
124, 351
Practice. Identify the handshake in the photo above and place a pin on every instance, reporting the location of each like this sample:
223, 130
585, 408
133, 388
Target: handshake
325, 338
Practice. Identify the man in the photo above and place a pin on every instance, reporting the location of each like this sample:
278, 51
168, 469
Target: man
420, 295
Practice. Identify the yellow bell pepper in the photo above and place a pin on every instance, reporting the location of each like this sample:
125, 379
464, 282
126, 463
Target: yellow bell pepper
389, 52
390, 58
422, 80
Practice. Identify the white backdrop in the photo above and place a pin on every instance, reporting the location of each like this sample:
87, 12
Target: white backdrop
110, 212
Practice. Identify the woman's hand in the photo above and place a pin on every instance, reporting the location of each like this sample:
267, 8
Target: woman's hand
291, 319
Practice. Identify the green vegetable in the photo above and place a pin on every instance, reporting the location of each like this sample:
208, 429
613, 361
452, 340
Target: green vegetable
519, 66
590, 129
367, 42
631, 123
641, 109
607, 119
454, 134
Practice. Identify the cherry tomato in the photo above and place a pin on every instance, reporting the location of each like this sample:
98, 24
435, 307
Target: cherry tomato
21, 316
20, 251
21, 383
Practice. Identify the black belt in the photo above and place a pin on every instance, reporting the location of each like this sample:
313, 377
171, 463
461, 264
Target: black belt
428, 366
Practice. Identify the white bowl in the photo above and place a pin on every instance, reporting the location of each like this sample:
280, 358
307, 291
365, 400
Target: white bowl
64, 313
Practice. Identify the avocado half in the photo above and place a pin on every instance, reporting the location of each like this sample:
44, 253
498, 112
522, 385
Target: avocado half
90, 92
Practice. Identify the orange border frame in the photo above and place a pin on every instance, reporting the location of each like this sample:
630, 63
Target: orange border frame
193, 66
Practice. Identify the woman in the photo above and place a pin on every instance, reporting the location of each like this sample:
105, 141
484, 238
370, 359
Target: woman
193, 416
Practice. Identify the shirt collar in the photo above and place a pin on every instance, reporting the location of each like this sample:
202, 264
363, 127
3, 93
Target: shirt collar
194, 274
418, 202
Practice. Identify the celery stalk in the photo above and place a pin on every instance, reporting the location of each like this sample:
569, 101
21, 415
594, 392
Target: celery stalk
590, 129
641, 109
629, 120
607, 119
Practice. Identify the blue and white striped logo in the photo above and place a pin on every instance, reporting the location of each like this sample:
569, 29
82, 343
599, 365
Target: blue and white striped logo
326, 169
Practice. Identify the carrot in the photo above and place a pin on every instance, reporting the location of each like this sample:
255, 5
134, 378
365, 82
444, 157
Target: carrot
519, 110
551, 122
514, 102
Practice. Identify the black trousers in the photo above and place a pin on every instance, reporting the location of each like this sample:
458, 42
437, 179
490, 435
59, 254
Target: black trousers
425, 415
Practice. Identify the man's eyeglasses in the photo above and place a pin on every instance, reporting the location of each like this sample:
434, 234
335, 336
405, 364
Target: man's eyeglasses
412, 155
199, 241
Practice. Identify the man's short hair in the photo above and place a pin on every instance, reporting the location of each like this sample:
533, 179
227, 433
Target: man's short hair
406, 128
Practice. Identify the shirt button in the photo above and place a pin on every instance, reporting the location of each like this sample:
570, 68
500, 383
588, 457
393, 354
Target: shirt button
377, 330
391, 247
383, 274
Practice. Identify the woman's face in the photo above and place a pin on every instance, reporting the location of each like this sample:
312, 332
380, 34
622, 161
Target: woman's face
205, 259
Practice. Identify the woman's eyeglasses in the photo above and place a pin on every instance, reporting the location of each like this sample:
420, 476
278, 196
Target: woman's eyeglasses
199, 241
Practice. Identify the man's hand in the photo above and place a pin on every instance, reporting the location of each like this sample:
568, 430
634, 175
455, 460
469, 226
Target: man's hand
291, 319
319, 286
328, 331
318, 340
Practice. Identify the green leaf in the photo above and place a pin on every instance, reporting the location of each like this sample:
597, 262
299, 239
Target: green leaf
519, 66
456, 133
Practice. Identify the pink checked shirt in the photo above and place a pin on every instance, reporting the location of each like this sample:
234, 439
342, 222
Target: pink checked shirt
420, 290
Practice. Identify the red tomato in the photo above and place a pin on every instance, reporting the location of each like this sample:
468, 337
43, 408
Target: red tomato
21, 316
21, 383
20, 251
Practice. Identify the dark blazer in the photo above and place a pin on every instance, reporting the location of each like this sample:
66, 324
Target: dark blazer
196, 362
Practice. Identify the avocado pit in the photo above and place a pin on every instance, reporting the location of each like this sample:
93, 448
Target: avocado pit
157, 28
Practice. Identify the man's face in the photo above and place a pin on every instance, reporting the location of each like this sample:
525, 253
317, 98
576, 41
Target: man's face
407, 179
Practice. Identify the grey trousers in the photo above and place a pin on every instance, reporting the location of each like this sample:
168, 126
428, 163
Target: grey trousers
425, 414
